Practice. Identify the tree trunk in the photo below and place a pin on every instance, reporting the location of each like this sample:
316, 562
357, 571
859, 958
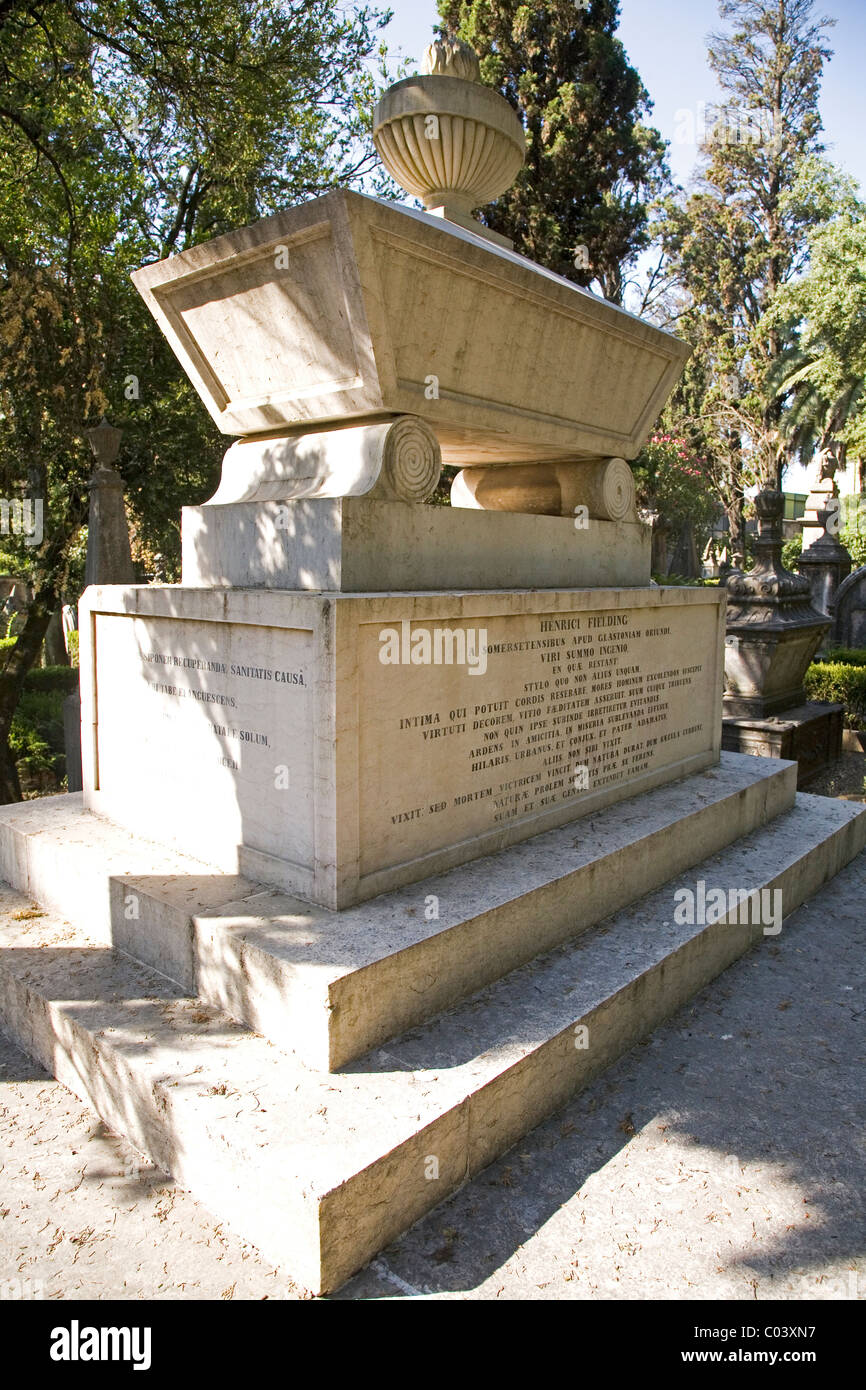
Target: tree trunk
22, 657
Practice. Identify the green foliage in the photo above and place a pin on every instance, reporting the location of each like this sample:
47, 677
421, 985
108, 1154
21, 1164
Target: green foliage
441, 495
848, 656
738, 238
821, 377
791, 552
853, 530
592, 165
681, 581
130, 130
63, 678
36, 735
671, 481
842, 683
52, 678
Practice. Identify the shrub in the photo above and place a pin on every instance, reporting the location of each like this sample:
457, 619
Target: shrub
839, 683
62, 678
677, 580
36, 735
849, 656
791, 552
680, 580
670, 480
853, 533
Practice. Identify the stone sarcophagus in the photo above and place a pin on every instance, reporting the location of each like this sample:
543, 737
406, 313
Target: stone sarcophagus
355, 346
350, 309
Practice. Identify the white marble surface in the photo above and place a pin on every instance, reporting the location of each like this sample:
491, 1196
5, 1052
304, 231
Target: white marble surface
356, 775
364, 545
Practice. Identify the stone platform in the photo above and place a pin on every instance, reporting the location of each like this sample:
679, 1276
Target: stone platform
550, 989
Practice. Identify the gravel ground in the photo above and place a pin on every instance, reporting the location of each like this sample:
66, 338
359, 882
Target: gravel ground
846, 779
722, 1158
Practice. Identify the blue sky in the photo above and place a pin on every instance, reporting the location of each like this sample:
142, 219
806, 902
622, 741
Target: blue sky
666, 42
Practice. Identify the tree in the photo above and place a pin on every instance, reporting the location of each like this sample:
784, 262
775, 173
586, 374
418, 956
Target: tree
130, 129
738, 238
592, 166
821, 378
672, 484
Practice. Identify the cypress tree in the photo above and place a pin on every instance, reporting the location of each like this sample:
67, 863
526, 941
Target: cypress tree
580, 204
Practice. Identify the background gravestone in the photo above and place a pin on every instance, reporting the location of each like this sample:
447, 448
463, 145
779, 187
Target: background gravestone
849, 629
826, 564
109, 561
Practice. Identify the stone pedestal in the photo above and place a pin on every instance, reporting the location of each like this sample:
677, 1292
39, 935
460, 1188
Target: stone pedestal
773, 632
772, 629
343, 745
358, 545
108, 554
810, 735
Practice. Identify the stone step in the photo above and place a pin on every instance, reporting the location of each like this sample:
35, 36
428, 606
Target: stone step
331, 986
321, 1170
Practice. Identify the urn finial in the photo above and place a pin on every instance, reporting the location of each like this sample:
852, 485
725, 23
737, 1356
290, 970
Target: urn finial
448, 139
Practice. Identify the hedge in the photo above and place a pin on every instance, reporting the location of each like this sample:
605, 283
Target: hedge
839, 682
849, 656
62, 678
36, 735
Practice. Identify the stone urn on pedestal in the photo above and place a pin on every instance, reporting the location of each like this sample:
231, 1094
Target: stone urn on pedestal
772, 633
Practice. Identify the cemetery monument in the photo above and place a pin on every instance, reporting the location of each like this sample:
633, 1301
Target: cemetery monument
319, 930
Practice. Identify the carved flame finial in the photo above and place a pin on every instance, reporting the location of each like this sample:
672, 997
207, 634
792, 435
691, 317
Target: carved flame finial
451, 57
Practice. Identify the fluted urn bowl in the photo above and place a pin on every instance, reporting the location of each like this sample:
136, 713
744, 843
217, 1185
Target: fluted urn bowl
466, 157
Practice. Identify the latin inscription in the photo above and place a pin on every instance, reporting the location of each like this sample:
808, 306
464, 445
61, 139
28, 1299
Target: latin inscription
576, 704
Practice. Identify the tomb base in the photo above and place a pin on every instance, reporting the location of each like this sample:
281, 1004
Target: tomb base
810, 735
342, 745
358, 545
